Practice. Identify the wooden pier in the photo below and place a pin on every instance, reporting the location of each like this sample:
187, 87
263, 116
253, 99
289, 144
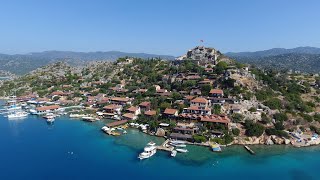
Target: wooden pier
164, 146
249, 150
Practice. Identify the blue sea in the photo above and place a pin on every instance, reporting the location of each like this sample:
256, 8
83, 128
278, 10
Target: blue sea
73, 149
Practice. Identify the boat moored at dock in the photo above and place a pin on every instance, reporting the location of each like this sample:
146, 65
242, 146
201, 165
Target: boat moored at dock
182, 150
149, 151
17, 114
173, 153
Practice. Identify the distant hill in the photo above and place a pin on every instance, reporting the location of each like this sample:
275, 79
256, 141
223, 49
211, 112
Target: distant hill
23, 63
275, 51
304, 59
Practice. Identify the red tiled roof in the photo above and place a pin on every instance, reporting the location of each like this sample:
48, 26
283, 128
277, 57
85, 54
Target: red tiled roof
161, 90
197, 108
132, 109
120, 99
145, 104
199, 100
45, 108
57, 93
116, 123
150, 113
216, 91
189, 97
170, 111
129, 115
216, 118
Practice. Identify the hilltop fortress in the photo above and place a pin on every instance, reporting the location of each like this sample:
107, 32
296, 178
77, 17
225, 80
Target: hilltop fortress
202, 55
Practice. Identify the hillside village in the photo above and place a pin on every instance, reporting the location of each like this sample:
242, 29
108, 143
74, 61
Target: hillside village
199, 97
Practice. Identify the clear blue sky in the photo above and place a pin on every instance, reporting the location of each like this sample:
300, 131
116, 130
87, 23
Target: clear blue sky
157, 26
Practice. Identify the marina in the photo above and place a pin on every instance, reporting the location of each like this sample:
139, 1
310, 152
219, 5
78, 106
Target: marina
82, 145
88, 137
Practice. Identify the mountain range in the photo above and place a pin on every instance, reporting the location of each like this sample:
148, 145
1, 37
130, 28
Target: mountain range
23, 63
304, 59
275, 52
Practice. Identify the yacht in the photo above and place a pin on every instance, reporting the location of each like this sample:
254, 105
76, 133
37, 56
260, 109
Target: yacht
182, 150
18, 114
148, 152
13, 107
173, 153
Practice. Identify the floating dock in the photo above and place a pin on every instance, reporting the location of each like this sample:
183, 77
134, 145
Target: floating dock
249, 150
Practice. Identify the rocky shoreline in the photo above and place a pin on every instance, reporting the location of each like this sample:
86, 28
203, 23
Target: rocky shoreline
262, 140
273, 140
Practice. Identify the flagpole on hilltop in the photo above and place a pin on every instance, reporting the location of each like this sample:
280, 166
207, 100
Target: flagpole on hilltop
201, 42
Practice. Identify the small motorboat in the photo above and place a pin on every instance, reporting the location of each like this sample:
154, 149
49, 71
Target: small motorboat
105, 128
124, 132
151, 143
182, 150
49, 116
173, 153
178, 145
50, 120
177, 142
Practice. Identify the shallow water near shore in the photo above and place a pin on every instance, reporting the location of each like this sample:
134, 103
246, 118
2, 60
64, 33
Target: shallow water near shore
73, 149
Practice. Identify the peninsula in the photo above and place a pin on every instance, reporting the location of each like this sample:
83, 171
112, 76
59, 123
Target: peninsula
201, 97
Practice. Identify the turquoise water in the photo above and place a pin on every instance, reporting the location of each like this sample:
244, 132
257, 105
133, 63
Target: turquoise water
73, 149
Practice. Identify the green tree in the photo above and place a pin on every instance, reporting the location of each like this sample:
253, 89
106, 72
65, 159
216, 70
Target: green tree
253, 129
235, 131
216, 109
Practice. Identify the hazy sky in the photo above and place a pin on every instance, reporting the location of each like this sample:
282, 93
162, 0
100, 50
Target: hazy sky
157, 26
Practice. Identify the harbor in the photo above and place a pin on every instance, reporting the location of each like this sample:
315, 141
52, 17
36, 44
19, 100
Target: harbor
85, 141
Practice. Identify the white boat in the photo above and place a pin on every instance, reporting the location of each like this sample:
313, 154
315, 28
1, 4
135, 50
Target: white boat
173, 153
49, 116
177, 142
182, 150
148, 152
105, 128
77, 115
33, 111
89, 118
17, 114
50, 120
13, 108
124, 132
151, 143
99, 113
178, 145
